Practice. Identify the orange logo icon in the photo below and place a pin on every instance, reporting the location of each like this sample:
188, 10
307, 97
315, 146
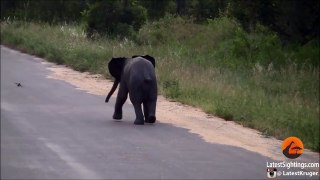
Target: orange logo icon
292, 147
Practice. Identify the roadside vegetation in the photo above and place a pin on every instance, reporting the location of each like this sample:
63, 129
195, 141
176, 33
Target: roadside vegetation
248, 77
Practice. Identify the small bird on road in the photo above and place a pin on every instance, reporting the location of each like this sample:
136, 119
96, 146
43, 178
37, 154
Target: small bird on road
19, 84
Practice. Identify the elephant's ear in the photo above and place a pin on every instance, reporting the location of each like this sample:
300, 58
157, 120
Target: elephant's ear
147, 57
151, 59
116, 66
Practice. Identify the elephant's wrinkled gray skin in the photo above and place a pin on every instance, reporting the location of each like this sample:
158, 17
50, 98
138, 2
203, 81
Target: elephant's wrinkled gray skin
136, 76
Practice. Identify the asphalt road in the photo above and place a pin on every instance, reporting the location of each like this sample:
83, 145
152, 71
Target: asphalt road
51, 130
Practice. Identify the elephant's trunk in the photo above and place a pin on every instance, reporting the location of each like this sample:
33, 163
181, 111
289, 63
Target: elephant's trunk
114, 87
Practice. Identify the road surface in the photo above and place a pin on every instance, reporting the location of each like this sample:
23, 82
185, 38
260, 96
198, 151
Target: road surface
51, 130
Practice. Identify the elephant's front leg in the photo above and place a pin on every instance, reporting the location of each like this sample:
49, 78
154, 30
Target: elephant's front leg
121, 99
139, 115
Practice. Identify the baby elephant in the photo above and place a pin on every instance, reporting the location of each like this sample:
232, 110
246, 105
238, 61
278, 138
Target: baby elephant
137, 77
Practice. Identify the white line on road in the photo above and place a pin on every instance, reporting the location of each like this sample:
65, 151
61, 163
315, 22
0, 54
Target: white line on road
83, 171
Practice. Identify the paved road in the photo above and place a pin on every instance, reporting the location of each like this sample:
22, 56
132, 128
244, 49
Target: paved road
49, 129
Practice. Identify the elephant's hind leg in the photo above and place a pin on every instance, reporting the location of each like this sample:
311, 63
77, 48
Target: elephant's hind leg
121, 99
139, 115
145, 111
150, 115
151, 119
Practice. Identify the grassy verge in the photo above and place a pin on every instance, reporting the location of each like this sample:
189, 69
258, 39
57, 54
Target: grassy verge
248, 78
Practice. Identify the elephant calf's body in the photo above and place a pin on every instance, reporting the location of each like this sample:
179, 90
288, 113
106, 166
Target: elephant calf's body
137, 77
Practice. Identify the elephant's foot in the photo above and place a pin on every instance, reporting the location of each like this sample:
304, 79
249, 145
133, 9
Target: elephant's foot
117, 116
139, 122
151, 119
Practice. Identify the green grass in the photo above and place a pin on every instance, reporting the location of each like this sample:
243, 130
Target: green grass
249, 78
